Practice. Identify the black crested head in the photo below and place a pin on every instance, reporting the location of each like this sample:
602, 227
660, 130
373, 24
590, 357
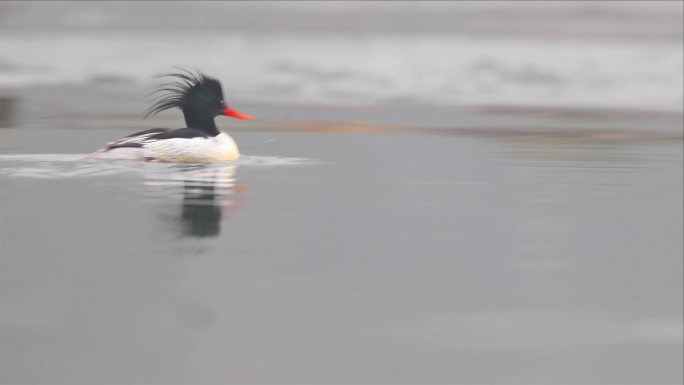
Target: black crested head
200, 97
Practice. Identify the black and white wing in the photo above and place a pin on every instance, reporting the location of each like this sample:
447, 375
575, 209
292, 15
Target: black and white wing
129, 147
137, 139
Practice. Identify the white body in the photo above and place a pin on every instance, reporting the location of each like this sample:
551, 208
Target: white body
220, 148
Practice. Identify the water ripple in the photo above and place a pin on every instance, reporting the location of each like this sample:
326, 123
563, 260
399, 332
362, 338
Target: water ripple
55, 166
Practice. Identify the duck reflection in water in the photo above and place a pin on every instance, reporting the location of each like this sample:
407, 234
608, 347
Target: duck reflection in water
210, 194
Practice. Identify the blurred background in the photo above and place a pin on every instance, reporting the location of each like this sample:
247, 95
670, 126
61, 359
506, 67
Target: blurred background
431, 193
624, 56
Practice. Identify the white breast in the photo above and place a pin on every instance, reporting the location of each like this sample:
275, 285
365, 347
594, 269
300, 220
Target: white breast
221, 148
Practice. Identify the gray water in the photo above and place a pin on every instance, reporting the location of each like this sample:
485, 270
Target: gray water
432, 193
342, 258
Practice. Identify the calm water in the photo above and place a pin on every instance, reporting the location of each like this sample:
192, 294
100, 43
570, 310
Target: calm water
342, 258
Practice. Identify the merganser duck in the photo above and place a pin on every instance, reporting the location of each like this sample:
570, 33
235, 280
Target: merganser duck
200, 97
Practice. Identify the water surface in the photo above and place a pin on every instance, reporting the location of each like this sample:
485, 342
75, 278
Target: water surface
343, 258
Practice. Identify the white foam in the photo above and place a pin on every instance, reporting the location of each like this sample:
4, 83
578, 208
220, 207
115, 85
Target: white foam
54, 166
253, 160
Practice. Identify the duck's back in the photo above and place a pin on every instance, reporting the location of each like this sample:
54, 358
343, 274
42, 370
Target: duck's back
183, 145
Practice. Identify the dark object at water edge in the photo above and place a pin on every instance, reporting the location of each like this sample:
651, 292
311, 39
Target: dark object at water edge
7, 110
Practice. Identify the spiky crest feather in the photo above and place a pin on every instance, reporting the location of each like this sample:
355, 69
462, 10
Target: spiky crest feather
180, 92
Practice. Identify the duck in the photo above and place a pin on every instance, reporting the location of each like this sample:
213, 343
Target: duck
200, 98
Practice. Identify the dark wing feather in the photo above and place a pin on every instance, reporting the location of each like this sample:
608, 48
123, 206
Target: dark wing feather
183, 133
150, 131
137, 139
